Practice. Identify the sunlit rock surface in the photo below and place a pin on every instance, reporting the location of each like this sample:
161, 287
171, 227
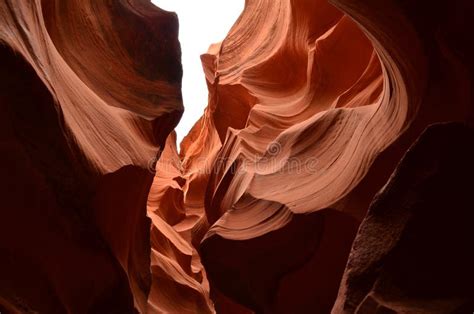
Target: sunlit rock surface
311, 107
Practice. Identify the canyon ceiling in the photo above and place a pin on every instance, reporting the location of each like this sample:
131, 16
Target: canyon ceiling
331, 171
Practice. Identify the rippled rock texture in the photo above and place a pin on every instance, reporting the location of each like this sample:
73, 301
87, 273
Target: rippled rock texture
85, 104
311, 107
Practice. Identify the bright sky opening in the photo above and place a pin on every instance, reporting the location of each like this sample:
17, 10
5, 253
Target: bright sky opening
201, 23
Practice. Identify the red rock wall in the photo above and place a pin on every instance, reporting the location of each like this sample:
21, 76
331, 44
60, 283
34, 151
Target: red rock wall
88, 96
311, 107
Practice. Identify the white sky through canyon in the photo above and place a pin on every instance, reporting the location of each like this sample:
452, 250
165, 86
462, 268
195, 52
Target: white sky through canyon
201, 23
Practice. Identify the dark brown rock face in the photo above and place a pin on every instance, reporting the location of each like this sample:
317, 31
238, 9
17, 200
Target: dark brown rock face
295, 268
413, 252
81, 116
53, 258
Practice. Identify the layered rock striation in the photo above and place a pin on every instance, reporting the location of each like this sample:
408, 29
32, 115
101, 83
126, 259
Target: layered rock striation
89, 93
312, 105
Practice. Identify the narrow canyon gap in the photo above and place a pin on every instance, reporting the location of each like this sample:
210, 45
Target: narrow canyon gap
201, 23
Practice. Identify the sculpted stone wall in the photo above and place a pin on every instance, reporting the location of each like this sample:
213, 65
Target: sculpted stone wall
312, 105
89, 93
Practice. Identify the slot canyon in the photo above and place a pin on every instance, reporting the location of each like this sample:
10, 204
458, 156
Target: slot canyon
331, 170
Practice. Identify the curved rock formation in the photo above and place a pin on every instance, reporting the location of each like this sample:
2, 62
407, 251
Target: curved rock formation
86, 103
311, 107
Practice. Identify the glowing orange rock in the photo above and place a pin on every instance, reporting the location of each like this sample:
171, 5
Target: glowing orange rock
311, 107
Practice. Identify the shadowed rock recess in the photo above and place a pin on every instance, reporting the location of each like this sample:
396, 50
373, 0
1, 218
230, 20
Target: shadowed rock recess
282, 197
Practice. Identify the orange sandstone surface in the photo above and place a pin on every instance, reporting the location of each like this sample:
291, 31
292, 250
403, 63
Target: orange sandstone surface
269, 206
